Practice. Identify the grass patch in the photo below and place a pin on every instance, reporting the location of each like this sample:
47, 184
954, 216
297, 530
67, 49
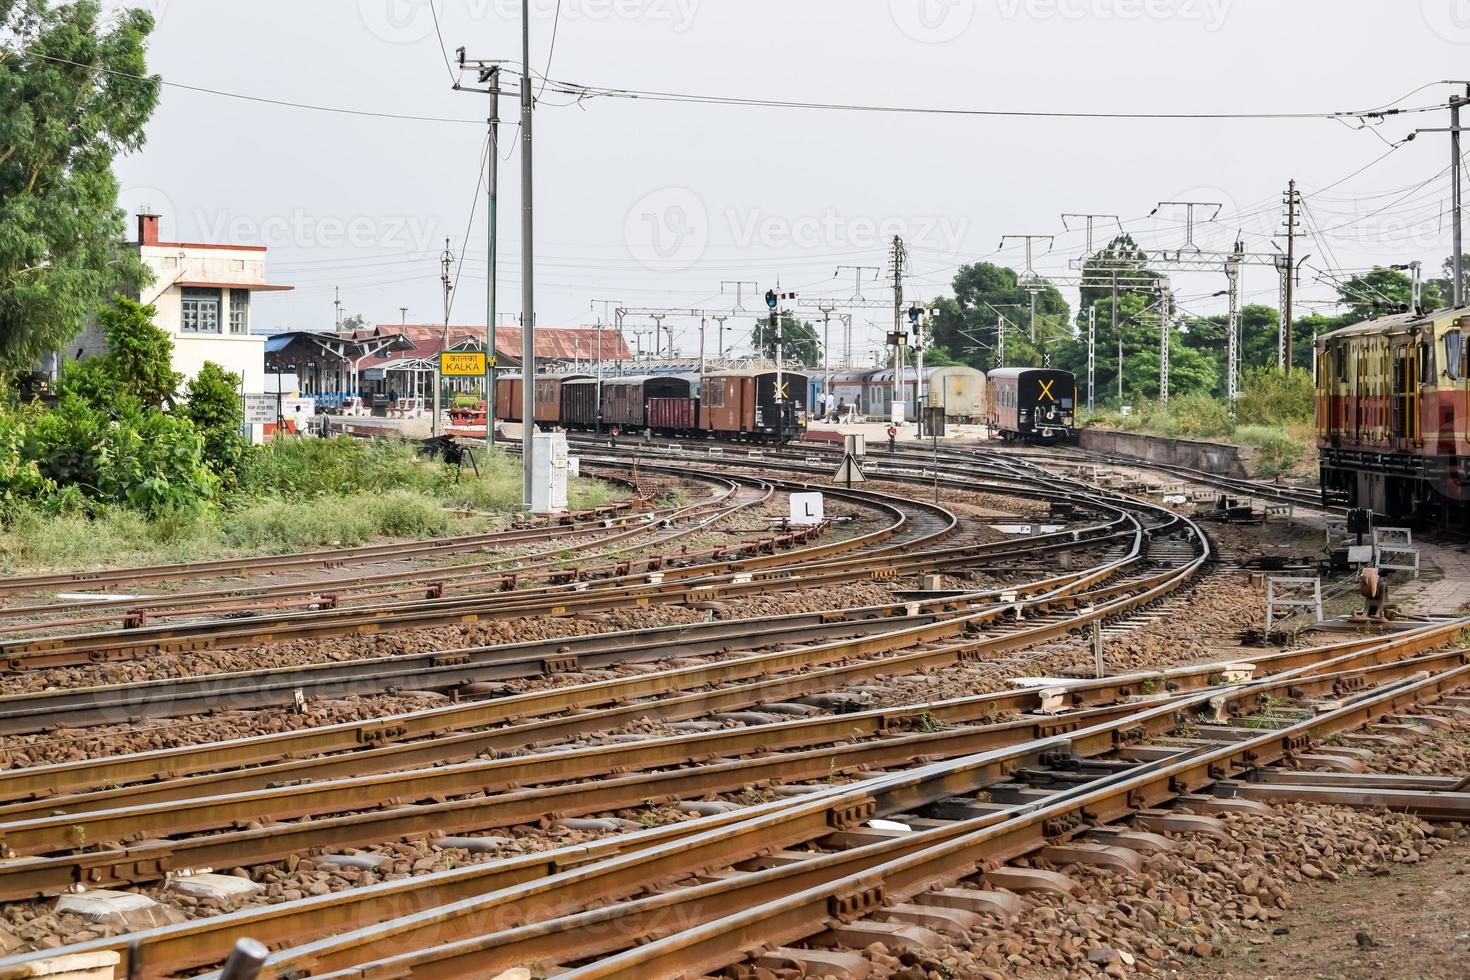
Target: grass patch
307, 493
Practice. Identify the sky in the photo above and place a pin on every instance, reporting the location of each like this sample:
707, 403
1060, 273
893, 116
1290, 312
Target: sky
654, 204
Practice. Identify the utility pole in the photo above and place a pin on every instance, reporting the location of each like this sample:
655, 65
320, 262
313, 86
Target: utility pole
446, 260
528, 290
703, 322
658, 332
403, 316
846, 319
1232, 272
488, 73
898, 256
720, 334
601, 325
826, 309
1091, 359
1166, 313
337, 307
1457, 288
1287, 342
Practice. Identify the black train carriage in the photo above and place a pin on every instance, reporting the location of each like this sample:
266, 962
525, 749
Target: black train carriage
1032, 404
579, 404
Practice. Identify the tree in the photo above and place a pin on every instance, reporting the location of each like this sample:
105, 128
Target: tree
138, 362
1136, 334
1383, 290
800, 345
213, 405
966, 323
355, 321
1445, 284
73, 95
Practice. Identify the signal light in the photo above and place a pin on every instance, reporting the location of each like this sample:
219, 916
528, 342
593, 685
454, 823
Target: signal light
771, 298
913, 314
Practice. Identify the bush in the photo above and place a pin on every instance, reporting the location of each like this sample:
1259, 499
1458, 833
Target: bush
340, 465
1268, 397
1277, 451
214, 407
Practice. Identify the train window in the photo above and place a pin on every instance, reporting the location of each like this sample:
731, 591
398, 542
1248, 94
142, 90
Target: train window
1340, 359
1454, 355
1426, 363
716, 397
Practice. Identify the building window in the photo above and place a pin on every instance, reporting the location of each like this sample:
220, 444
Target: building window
200, 310
239, 311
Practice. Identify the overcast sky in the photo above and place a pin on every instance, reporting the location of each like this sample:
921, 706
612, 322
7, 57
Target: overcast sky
655, 203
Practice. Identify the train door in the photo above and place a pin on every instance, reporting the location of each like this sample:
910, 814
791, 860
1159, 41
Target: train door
1401, 397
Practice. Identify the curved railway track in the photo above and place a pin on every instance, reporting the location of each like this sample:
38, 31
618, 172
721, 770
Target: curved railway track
777, 703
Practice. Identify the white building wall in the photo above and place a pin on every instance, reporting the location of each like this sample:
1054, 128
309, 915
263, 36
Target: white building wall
241, 354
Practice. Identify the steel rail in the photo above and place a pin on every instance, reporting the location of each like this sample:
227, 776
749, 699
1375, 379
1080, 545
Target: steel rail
580, 520
19, 837
34, 711
46, 781
625, 527
71, 649
719, 921
200, 942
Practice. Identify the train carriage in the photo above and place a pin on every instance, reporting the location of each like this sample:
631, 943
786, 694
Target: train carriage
1393, 406
753, 405
508, 389
959, 389
1031, 404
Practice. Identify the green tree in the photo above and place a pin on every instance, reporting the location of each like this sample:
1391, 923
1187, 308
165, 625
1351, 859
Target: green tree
1382, 290
1135, 336
213, 405
73, 95
800, 345
138, 362
965, 324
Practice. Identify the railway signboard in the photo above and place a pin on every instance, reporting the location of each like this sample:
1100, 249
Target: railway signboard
849, 472
462, 364
262, 409
806, 508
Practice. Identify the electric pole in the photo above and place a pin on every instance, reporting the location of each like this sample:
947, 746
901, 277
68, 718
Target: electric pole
658, 334
488, 73
1166, 313
1287, 341
337, 306
898, 256
1232, 272
826, 308
528, 290
720, 335
447, 261
1091, 359
1457, 288
601, 325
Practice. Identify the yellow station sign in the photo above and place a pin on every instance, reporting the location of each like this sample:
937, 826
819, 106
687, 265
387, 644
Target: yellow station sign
462, 364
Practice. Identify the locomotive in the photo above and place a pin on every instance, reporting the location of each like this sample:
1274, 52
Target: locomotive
1032, 404
1392, 414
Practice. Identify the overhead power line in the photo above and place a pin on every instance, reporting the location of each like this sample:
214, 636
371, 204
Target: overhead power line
583, 92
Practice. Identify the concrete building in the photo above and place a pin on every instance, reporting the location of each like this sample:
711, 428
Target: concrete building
205, 296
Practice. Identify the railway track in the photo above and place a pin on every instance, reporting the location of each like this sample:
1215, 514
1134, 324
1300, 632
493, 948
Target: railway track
587, 540
913, 523
977, 781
